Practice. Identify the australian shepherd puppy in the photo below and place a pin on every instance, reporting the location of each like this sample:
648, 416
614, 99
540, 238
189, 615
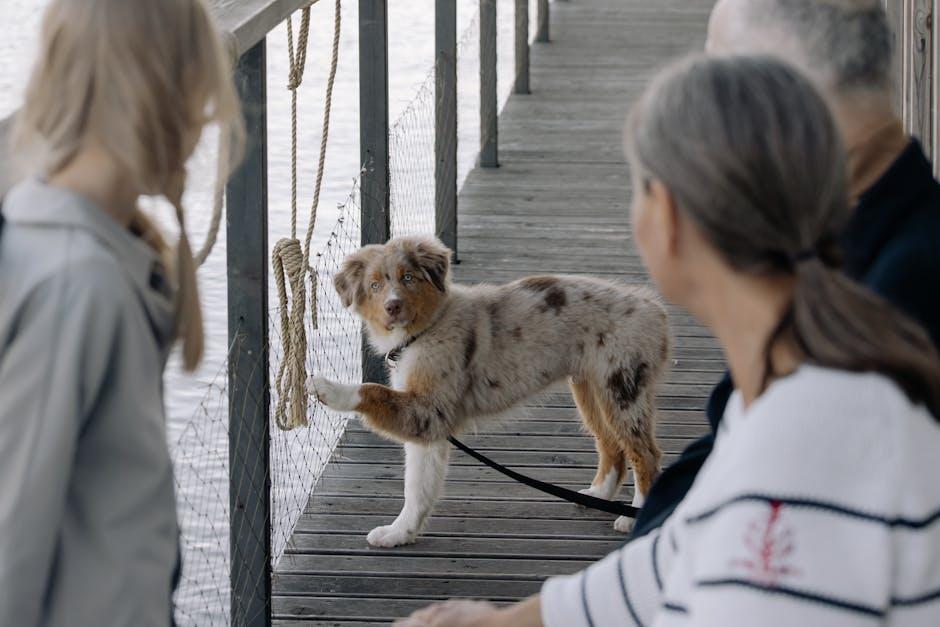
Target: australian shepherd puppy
459, 354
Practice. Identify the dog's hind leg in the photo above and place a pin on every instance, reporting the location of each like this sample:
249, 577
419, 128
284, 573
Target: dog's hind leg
634, 426
425, 470
611, 465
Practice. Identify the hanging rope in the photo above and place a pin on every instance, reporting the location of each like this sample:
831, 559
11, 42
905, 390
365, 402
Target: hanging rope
291, 261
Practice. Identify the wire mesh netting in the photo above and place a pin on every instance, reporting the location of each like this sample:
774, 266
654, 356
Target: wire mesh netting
298, 457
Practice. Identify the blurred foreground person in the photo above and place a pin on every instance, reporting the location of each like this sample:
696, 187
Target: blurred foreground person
889, 241
739, 196
92, 300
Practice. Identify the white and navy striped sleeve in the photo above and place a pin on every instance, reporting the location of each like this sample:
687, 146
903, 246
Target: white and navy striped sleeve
625, 588
785, 561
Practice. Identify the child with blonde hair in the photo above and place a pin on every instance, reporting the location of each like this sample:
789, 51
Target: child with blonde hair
93, 299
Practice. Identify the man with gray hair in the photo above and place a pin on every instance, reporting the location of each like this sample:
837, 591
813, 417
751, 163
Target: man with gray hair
890, 242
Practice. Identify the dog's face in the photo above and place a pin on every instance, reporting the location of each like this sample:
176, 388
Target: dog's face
398, 285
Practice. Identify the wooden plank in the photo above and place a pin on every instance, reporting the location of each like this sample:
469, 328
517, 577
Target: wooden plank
521, 36
380, 562
332, 608
917, 73
340, 622
515, 548
392, 587
489, 131
8, 170
369, 487
543, 20
445, 122
249, 390
458, 528
375, 187
248, 21
492, 443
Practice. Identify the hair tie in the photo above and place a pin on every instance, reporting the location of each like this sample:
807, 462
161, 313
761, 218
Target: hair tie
804, 255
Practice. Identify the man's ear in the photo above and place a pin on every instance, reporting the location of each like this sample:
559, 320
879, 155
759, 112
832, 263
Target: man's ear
434, 260
348, 281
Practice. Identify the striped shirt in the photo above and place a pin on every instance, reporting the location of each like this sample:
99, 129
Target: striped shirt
820, 505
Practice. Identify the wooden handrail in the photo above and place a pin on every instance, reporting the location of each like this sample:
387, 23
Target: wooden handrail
247, 22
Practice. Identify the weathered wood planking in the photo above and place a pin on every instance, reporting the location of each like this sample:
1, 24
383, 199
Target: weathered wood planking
558, 203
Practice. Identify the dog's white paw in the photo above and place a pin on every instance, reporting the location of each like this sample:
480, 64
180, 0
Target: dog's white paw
334, 395
592, 491
623, 524
389, 536
599, 492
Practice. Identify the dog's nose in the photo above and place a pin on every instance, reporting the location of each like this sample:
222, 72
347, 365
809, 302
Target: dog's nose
393, 307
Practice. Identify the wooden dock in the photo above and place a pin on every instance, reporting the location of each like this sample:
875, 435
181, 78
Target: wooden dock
558, 203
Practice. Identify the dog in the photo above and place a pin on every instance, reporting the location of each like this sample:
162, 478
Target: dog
460, 355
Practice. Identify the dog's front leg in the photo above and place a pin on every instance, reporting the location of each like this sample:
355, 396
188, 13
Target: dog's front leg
338, 396
404, 415
425, 469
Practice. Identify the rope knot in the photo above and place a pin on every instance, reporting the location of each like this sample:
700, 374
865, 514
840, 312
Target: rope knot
291, 259
295, 78
288, 261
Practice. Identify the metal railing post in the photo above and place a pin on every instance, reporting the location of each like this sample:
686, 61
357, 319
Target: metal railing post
445, 122
489, 131
521, 85
249, 392
373, 144
542, 19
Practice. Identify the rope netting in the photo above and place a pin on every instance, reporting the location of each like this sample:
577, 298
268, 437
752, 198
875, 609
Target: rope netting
332, 338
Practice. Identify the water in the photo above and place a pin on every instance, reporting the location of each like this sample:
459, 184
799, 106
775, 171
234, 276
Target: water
196, 403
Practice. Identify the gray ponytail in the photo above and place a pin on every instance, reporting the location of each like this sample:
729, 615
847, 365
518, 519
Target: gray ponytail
752, 155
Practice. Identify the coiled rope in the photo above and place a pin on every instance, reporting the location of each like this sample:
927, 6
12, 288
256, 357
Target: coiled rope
291, 261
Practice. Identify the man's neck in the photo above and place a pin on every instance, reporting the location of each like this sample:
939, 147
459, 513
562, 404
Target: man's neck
874, 138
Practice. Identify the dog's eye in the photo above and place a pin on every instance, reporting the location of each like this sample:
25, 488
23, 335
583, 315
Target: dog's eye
375, 286
408, 278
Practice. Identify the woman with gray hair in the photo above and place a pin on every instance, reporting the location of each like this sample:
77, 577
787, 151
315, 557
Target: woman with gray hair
815, 507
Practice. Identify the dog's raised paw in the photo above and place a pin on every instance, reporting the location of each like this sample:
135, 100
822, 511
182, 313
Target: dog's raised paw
623, 524
334, 395
389, 536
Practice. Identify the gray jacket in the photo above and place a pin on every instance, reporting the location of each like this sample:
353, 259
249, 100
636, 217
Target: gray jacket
88, 531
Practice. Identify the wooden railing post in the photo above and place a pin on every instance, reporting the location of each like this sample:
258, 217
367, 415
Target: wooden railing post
7, 175
521, 85
249, 391
916, 71
543, 17
489, 130
373, 144
445, 122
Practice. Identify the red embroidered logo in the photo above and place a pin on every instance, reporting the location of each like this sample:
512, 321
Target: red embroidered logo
769, 543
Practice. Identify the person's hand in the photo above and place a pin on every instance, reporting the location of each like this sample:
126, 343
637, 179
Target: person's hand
453, 613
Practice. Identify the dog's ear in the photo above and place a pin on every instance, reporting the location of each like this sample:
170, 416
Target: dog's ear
434, 260
348, 281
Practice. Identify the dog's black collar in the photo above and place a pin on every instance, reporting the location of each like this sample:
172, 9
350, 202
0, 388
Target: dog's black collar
393, 356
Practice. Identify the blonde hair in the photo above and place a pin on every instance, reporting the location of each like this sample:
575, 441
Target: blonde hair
142, 78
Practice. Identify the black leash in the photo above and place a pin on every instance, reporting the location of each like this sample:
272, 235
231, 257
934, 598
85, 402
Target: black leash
592, 502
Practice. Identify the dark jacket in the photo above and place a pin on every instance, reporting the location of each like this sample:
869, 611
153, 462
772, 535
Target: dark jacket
892, 244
